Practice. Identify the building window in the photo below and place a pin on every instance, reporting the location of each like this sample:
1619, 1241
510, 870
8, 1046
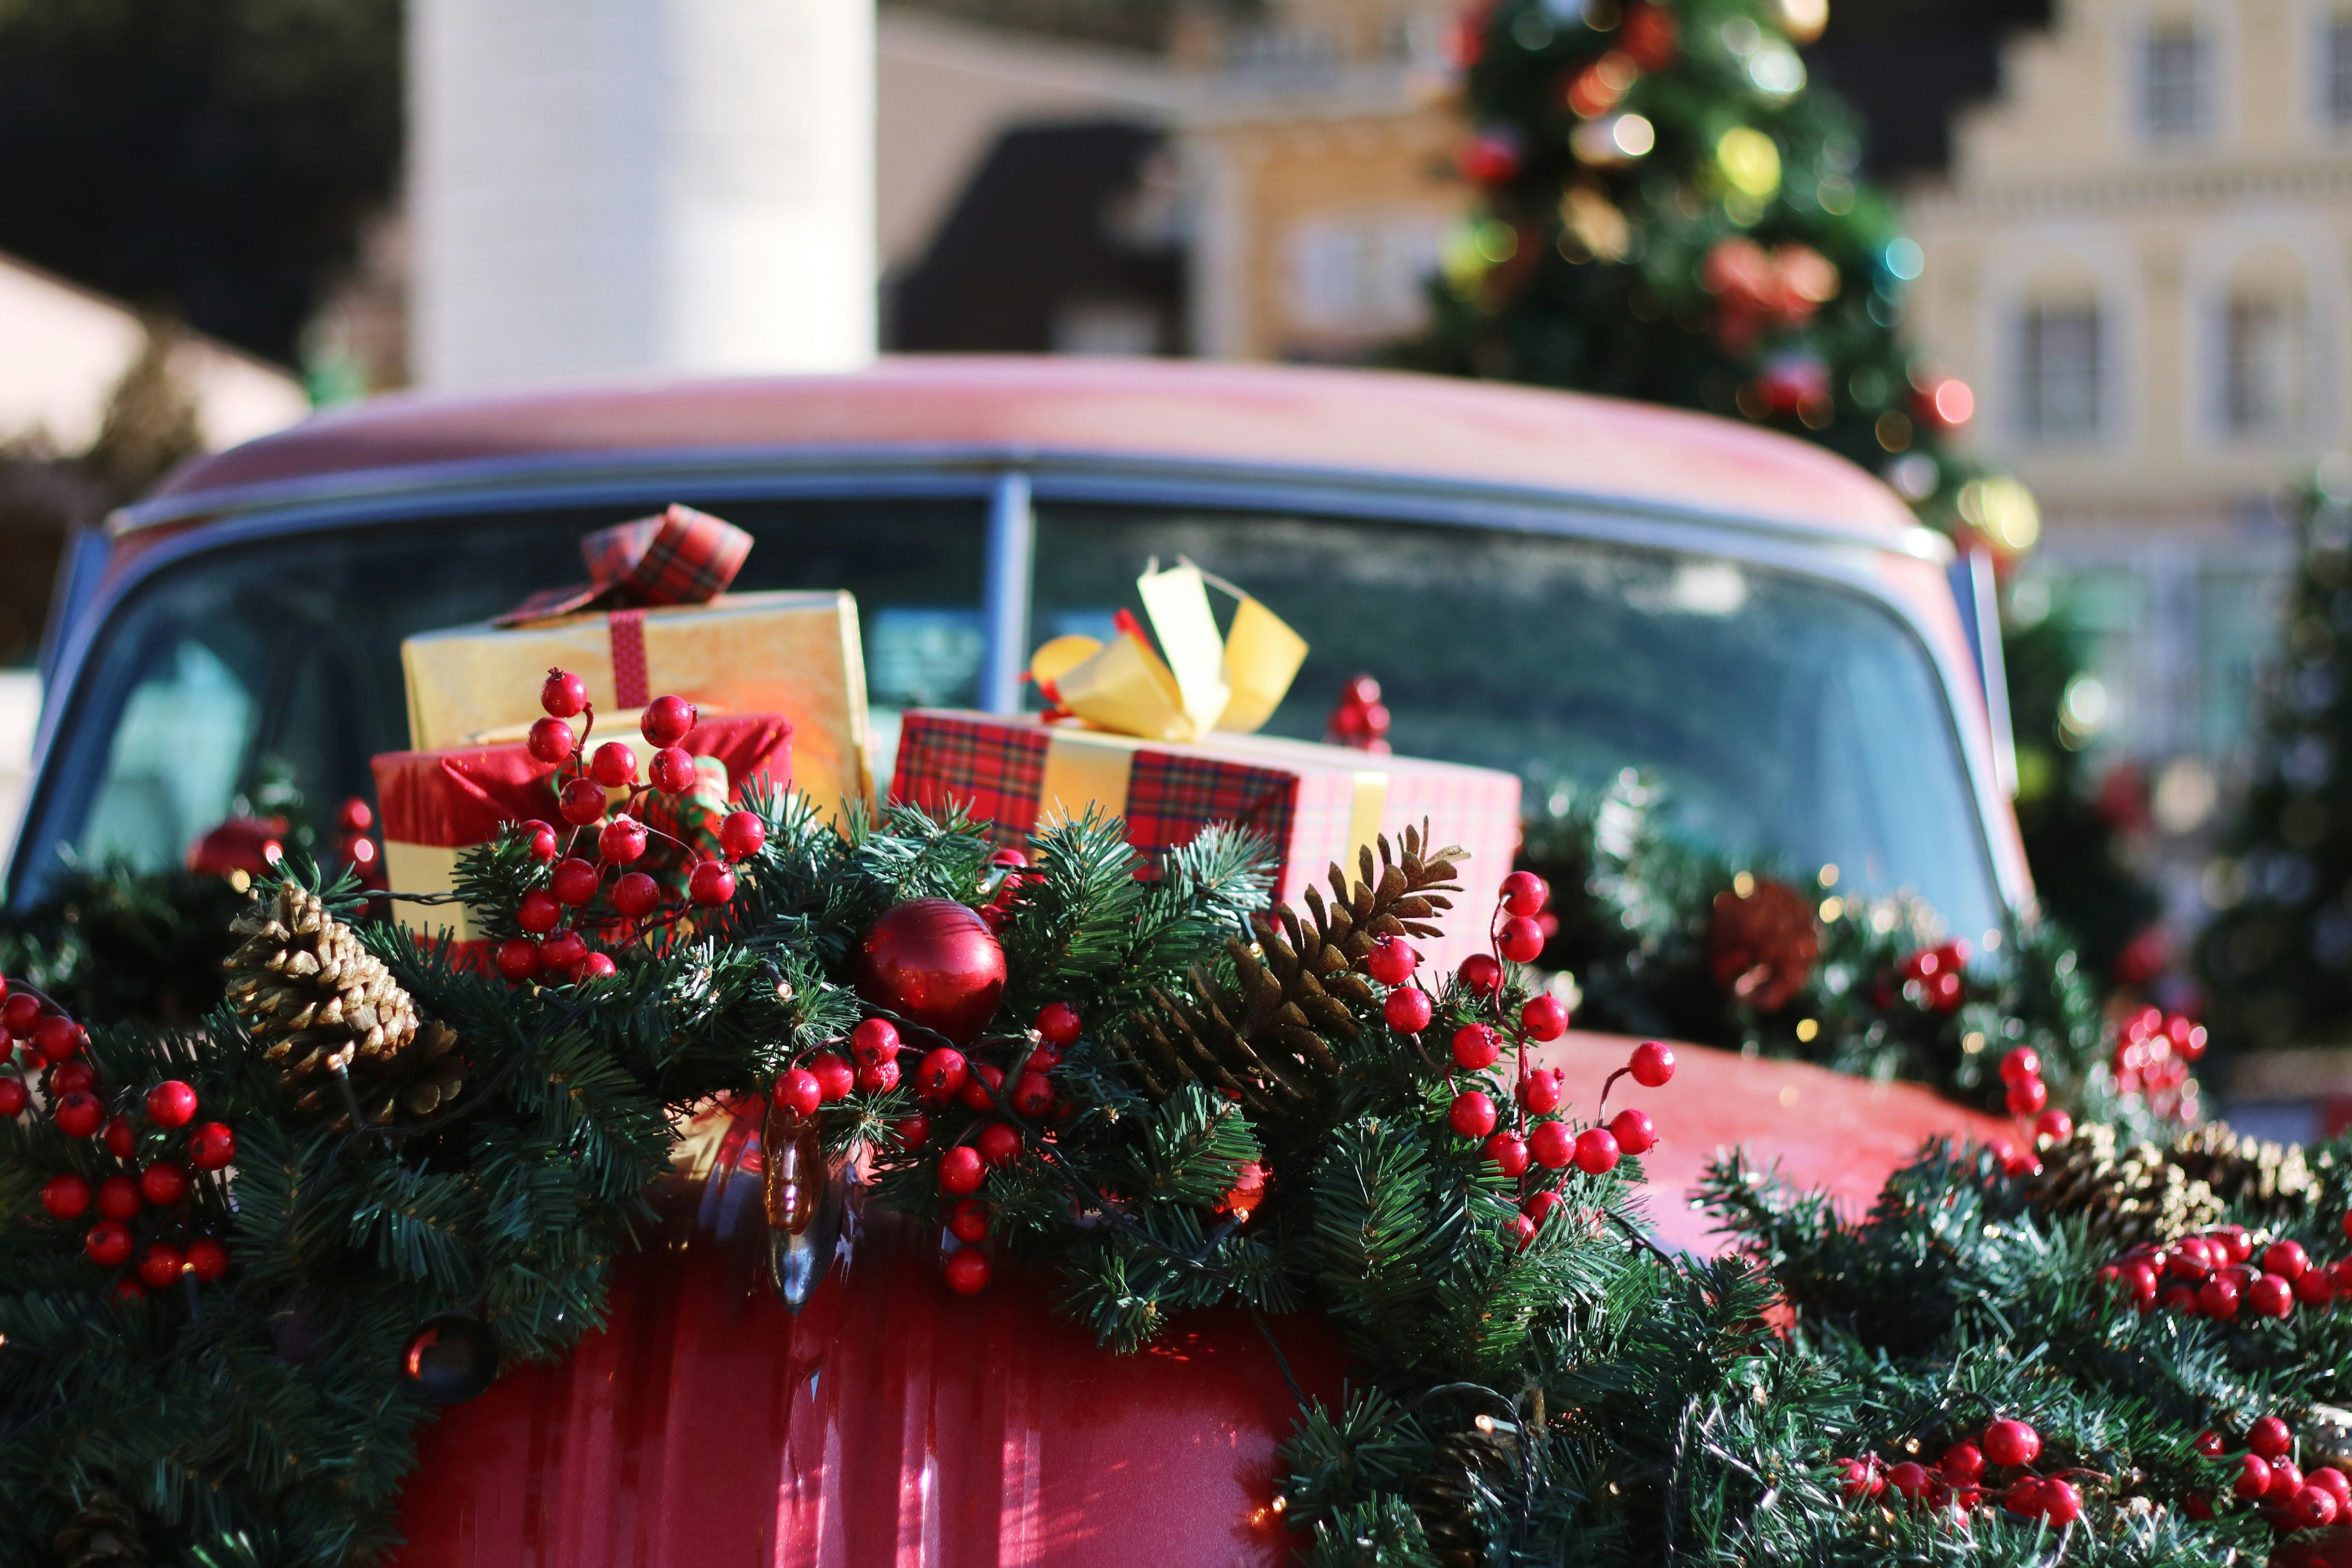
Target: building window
2336, 62
2262, 372
2058, 361
2173, 88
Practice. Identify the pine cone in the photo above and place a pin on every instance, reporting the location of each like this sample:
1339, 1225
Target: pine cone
1761, 945
2126, 1195
104, 1534
2274, 1177
1445, 1496
319, 1003
1264, 1038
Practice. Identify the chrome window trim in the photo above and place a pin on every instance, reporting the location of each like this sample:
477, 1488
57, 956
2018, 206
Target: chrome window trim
1010, 483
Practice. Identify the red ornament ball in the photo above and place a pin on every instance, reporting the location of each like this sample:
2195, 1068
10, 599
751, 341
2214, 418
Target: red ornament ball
2270, 1437
1033, 1095
14, 1097
672, 770
1472, 1115
212, 1146
1544, 1017
1521, 941
1963, 1462
72, 1077
541, 837
66, 1195
798, 1091
968, 1221
575, 882
636, 895
2021, 1066
581, 802
563, 694
880, 1076
1543, 1089
2271, 1295
79, 1115
741, 834
518, 959
162, 1264
982, 1086
118, 1198
2011, 1442
711, 884
1552, 1144
1525, 894
874, 1040
59, 1038
967, 1271
960, 1171
668, 721
934, 962
1596, 1151
1635, 1131
941, 1074
1481, 974
553, 742
539, 912
1475, 1045
1391, 960
835, 1077
2285, 1258
1651, 1063
1507, 1152
622, 840
615, 765
163, 1184
1057, 1025
1407, 1010
999, 1144
207, 1259
108, 1244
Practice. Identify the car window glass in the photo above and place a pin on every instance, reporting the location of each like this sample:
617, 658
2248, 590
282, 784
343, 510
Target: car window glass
1786, 717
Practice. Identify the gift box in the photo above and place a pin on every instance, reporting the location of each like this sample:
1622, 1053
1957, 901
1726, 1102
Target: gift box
1318, 804
434, 803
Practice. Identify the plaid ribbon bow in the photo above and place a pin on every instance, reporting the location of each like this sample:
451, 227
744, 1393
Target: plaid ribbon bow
680, 557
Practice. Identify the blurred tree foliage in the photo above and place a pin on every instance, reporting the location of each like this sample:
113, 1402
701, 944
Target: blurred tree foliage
211, 159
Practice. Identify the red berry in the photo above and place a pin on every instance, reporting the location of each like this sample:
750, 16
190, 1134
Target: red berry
126, 1290
999, 1144
163, 1184
2312, 1508
2055, 1125
79, 1115
118, 1198
1860, 1479
14, 1097
1544, 1017
1552, 1144
1596, 1151
835, 1077
1521, 1230
967, 1271
942, 1075
582, 802
2211, 1444
1525, 893
563, 694
565, 951
981, 1087
539, 836
1963, 1462
539, 912
59, 1038
2141, 1277
1475, 1045
622, 840
162, 1264
1391, 960
518, 958
66, 1195
553, 742
207, 1259
1521, 941
212, 1146
72, 1077
636, 895
668, 721
1543, 1089
1033, 1095
741, 834
2270, 1437
2190, 1259
874, 1040
575, 882
968, 1221
2020, 1065
2235, 1244
1057, 1025
1507, 1152
2286, 1480
615, 765
2016, 1162
672, 770
2218, 1298
21, 1014
1653, 1064
2271, 1295
797, 1090
1539, 1206
2314, 1287
2254, 1477
1909, 1478
108, 1244
911, 1132
712, 883
1635, 1131
960, 1171
2286, 1259
1407, 1010
2011, 1442
2061, 1503
880, 1076
2334, 1482
1481, 974
1472, 1115
2026, 1098
597, 966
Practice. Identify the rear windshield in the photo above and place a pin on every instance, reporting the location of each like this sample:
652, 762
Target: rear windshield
1785, 716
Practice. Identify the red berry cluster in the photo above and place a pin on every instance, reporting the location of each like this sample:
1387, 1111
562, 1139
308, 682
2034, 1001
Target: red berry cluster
2213, 1276
1359, 719
1538, 1138
151, 1180
1934, 977
558, 919
1009, 868
2153, 1054
2268, 1478
1997, 1463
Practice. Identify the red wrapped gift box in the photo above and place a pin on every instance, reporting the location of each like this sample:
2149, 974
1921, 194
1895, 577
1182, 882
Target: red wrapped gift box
434, 804
1318, 804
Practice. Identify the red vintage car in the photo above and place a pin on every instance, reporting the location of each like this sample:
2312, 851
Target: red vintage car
1564, 586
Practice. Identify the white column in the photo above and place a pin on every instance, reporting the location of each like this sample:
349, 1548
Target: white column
604, 187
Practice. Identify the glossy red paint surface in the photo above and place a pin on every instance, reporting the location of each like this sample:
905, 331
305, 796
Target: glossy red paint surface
894, 1425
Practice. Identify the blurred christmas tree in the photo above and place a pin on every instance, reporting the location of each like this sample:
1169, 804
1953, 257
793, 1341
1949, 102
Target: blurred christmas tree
2279, 961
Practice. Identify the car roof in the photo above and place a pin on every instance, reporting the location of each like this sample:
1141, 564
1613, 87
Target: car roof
1354, 422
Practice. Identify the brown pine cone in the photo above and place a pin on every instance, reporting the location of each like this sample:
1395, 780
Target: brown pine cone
104, 1534
1761, 945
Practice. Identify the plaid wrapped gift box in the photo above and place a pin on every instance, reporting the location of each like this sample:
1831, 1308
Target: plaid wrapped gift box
434, 804
1318, 804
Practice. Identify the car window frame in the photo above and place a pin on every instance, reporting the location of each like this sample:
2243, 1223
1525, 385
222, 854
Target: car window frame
1011, 485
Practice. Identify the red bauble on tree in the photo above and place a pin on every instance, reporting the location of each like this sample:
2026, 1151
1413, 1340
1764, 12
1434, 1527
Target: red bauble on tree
1761, 945
933, 961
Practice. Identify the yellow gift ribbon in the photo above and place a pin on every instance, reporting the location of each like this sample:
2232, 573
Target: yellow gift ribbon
1203, 682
